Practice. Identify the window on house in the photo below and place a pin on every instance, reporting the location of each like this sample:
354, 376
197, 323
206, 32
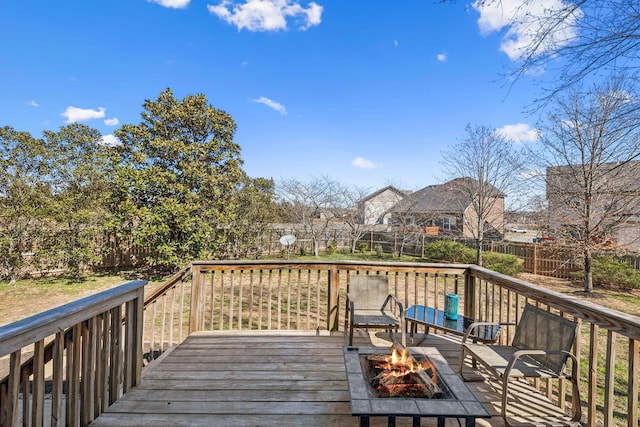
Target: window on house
446, 224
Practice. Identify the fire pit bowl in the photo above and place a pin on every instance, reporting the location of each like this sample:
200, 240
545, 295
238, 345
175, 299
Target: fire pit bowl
451, 398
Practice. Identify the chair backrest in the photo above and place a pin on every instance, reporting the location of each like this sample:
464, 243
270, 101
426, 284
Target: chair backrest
542, 330
368, 292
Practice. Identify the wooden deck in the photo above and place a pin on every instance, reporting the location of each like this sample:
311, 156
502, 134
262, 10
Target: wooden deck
274, 378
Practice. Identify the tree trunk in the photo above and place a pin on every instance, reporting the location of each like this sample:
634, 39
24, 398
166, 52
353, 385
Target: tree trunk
588, 274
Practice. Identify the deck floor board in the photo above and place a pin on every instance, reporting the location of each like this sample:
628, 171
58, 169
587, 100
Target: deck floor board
285, 379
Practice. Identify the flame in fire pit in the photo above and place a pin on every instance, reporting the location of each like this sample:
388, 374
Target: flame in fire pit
400, 375
401, 363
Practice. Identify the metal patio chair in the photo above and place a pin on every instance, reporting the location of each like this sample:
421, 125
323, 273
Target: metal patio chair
370, 305
541, 347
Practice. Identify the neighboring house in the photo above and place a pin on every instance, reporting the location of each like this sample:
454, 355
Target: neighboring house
449, 207
614, 210
374, 208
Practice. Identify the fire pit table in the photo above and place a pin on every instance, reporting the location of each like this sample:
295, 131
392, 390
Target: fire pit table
452, 398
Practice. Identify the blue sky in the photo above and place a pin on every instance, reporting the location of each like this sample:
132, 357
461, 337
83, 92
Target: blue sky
369, 93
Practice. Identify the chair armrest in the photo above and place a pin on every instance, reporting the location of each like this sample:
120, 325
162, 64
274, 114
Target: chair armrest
475, 325
396, 301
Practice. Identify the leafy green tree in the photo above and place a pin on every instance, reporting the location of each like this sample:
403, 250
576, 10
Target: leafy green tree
21, 198
79, 176
256, 211
177, 179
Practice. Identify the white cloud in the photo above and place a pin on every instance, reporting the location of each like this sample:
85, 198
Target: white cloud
74, 114
442, 57
395, 43
173, 4
524, 21
519, 133
110, 141
362, 163
271, 104
112, 122
33, 103
267, 15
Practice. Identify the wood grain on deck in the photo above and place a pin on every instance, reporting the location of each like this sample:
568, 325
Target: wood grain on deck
266, 379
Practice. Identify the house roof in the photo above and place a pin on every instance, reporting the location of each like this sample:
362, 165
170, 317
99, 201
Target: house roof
401, 193
452, 196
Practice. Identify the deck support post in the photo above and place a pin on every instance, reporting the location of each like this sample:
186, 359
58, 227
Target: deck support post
470, 308
334, 289
196, 312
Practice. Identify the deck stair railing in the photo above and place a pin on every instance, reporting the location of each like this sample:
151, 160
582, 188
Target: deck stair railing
310, 295
94, 344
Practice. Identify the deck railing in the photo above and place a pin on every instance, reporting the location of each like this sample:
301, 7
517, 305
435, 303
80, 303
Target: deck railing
95, 352
283, 295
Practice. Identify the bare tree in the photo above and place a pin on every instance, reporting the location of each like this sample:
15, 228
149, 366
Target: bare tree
580, 38
347, 211
311, 204
589, 147
492, 167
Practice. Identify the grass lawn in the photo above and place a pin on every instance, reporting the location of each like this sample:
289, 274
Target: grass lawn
28, 297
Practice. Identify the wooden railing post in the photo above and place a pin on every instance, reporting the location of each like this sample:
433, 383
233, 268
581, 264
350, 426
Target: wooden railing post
334, 289
470, 306
195, 316
133, 340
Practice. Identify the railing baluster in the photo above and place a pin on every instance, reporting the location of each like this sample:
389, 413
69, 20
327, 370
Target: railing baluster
261, 298
632, 388
163, 322
57, 379
152, 343
9, 413
74, 364
592, 376
269, 300
88, 371
232, 294
309, 288
37, 405
115, 366
221, 279
609, 382
299, 293
318, 318
212, 302
171, 314
289, 302
279, 298
181, 309
251, 300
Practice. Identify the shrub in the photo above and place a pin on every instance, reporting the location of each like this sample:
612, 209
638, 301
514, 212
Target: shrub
362, 247
379, 250
610, 273
447, 251
332, 247
507, 264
